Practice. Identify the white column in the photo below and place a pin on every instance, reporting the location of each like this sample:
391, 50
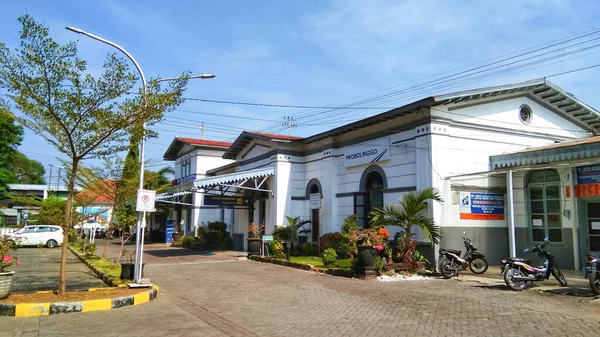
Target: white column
512, 245
329, 205
281, 187
574, 218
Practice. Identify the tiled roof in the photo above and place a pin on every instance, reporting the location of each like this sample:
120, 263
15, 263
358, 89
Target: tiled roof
102, 193
205, 142
178, 143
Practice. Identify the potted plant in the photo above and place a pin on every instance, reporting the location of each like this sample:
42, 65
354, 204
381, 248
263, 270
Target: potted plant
370, 243
255, 233
128, 267
6, 261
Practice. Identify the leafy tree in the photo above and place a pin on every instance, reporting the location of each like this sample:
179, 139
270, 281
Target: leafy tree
409, 213
53, 212
26, 171
83, 117
12, 135
158, 181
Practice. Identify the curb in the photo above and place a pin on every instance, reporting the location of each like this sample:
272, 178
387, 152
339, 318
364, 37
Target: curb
307, 267
54, 308
107, 279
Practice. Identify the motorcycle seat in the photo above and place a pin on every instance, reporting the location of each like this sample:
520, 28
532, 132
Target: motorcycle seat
519, 259
453, 251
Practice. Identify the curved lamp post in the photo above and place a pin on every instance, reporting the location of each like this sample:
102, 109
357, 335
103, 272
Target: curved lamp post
141, 220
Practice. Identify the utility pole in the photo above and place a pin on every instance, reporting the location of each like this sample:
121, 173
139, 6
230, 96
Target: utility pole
289, 123
202, 128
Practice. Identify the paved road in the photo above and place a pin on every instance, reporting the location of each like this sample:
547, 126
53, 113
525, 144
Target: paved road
40, 270
223, 297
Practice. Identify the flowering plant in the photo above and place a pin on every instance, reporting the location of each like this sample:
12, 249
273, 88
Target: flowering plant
371, 237
256, 230
384, 233
5, 259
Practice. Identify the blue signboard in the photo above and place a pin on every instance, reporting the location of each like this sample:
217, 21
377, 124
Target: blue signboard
481, 206
169, 231
588, 174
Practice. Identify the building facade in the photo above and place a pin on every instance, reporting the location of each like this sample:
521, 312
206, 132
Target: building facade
451, 142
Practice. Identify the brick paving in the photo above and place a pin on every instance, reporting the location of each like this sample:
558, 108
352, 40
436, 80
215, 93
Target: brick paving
212, 297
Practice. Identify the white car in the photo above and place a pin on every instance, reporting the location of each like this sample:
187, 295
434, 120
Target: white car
49, 236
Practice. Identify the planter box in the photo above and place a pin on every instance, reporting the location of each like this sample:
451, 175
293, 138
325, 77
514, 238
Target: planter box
254, 246
5, 283
128, 269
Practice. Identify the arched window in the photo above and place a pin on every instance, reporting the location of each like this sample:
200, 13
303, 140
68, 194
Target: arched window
543, 189
372, 184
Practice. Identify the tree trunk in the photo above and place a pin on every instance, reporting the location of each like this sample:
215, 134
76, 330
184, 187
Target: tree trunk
62, 283
108, 231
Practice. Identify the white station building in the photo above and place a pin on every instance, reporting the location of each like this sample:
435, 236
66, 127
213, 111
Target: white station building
513, 163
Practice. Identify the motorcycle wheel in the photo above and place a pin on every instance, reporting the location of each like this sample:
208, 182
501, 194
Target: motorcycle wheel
558, 275
514, 285
447, 273
478, 265
595, 282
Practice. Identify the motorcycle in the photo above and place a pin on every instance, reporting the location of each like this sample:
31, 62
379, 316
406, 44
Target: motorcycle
451, 263
592, 272
517, 271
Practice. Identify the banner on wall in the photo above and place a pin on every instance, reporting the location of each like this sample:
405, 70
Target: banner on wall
365, 154
588, 174
481, 206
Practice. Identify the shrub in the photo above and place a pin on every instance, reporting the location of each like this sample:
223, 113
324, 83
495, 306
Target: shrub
183, 241
378, 264
350, 224
282, 233
355, 264
220, 239
307, 248
276, 249
329, 257
90, 249
217, 226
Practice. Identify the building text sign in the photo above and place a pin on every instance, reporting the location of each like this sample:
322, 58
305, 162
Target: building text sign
364, 154
226, 200
315, 201
481, 206
588, 174
145, 201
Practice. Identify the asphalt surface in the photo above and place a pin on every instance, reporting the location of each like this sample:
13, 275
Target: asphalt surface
40, 270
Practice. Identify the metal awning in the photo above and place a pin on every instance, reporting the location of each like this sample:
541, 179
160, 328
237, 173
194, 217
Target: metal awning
238, 180
164, 196
581, 149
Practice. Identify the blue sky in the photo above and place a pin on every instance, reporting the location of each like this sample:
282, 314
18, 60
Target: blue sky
315, 53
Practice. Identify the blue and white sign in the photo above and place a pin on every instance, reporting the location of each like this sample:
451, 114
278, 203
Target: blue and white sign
588, 174
170, 229
481, 206
365, 154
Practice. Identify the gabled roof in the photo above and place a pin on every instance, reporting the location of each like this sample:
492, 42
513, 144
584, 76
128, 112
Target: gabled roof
179, 142
102, 192
542, 89
247, 136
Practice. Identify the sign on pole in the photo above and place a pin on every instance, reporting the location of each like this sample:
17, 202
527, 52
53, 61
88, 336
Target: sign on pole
170, 229
145, 201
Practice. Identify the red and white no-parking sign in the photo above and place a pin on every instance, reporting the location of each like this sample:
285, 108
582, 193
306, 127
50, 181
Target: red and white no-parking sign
145, 201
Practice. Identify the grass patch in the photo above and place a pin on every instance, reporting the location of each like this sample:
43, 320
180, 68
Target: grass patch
317, 262
103, 265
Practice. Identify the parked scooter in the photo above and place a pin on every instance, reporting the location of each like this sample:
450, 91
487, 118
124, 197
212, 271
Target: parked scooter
517, 271
592, 272
450, 262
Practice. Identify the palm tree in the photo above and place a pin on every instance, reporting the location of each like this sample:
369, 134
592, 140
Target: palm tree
409, 213
158, 181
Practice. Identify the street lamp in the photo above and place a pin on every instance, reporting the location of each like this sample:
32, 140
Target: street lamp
141, 220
